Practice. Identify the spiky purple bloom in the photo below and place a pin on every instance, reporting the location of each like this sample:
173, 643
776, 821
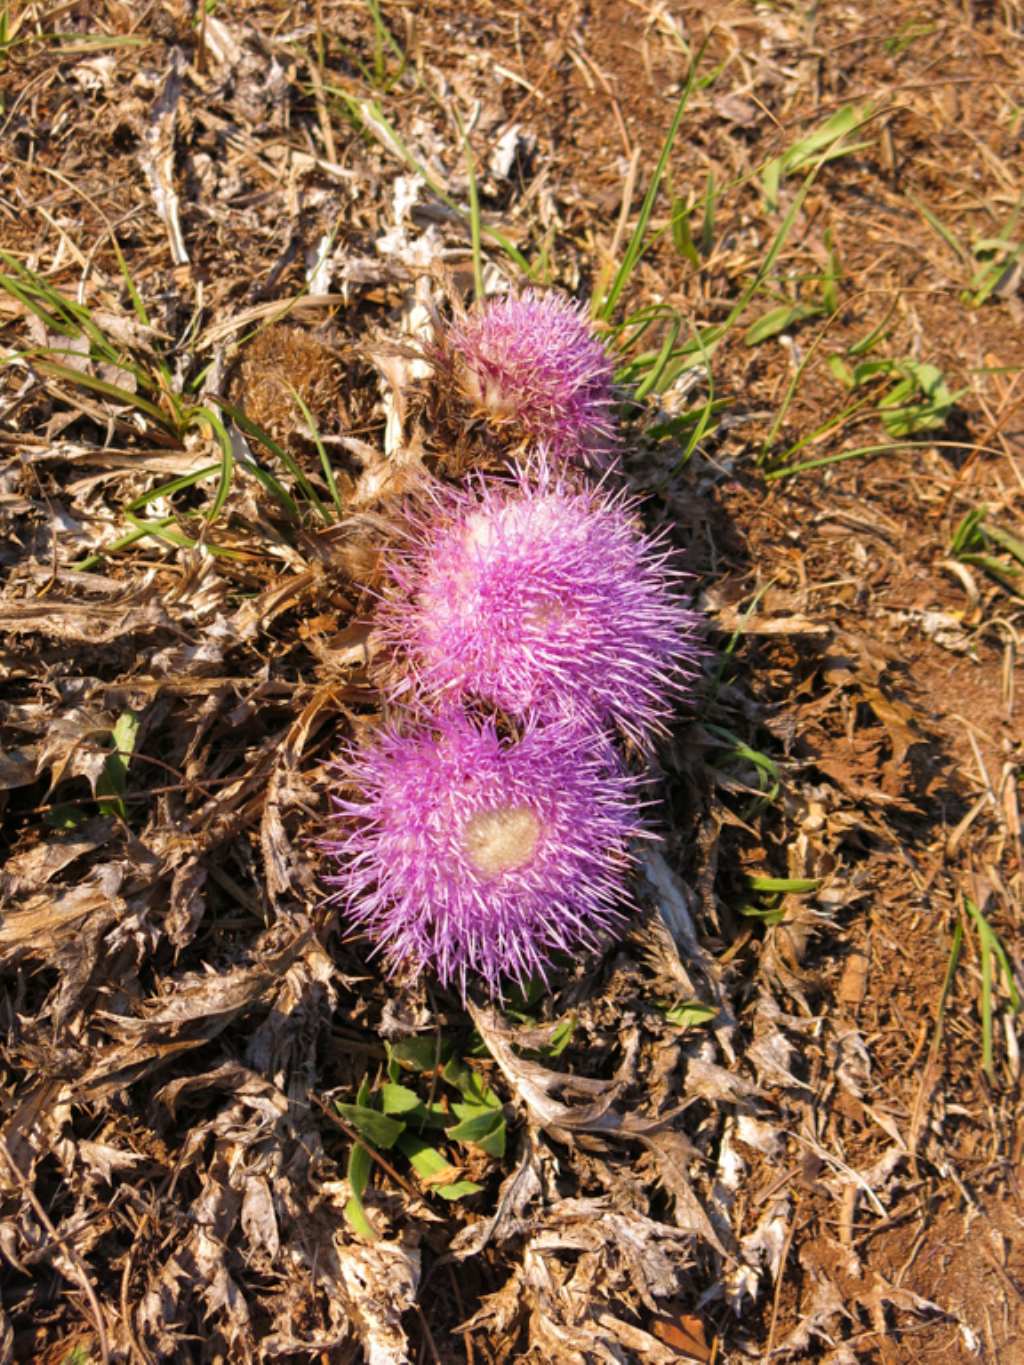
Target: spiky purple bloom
532, 363
479, 855
541, 598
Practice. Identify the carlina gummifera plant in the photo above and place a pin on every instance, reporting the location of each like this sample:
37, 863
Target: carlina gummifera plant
531, 366
480, 853
539, 596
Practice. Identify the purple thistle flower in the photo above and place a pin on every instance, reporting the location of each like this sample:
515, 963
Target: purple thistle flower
546, 599
479, 855
533, 363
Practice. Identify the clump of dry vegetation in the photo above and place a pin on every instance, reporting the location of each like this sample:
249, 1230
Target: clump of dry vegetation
782, 1118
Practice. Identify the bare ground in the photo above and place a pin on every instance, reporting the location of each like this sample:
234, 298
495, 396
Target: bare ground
822, 1163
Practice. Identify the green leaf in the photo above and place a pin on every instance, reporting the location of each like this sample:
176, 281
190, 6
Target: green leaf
840, 370
903, 417
776, 320
785, 884
1011, 544
967, 534
690, 1014
428, 1163
1002, 573
939, 228
112, 782
562, 1036
360, 1164
371, 1124
869, 369
459, 1189
486, 1130
422, 1052
770, 917
82, 379
870, 341
993, 961
822, 144
166, 490
434, 1170
685, 422
470, 1084
399, 1099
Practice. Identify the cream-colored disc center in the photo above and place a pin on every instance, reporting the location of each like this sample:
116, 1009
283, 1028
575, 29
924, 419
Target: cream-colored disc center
501, 840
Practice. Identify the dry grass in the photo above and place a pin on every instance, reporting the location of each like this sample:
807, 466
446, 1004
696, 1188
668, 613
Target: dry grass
782, 1119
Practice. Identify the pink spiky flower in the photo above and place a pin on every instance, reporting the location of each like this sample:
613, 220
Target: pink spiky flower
479, 855
542, 598
532, 364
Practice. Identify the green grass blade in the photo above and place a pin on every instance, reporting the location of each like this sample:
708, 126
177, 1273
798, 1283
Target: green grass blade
250, 428
474, 211
661, 360
167, 490
1010, 543
325, 462
141, 530
197, 418
786, 885
84, 380
634, 248
993, 958
138, 307
939, 228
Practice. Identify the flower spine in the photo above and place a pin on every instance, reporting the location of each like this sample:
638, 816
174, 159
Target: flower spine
540, 598
481, 855
531, 364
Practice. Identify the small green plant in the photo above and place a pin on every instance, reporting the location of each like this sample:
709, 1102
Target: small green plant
907, 35
911, 397
394, 1117
995, 966
824, 302
112, 784
822, 144
743, 768
977, 541
988, 260
767, 896
123, 360
78, 1355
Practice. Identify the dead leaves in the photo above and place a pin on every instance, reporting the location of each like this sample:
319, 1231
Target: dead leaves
76, 622
580, 1260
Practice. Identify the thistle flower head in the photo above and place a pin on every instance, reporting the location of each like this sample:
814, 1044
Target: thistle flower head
531, 363
546, 599
480, 855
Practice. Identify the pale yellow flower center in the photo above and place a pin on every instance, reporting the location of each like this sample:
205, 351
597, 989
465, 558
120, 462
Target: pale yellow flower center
502, 839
